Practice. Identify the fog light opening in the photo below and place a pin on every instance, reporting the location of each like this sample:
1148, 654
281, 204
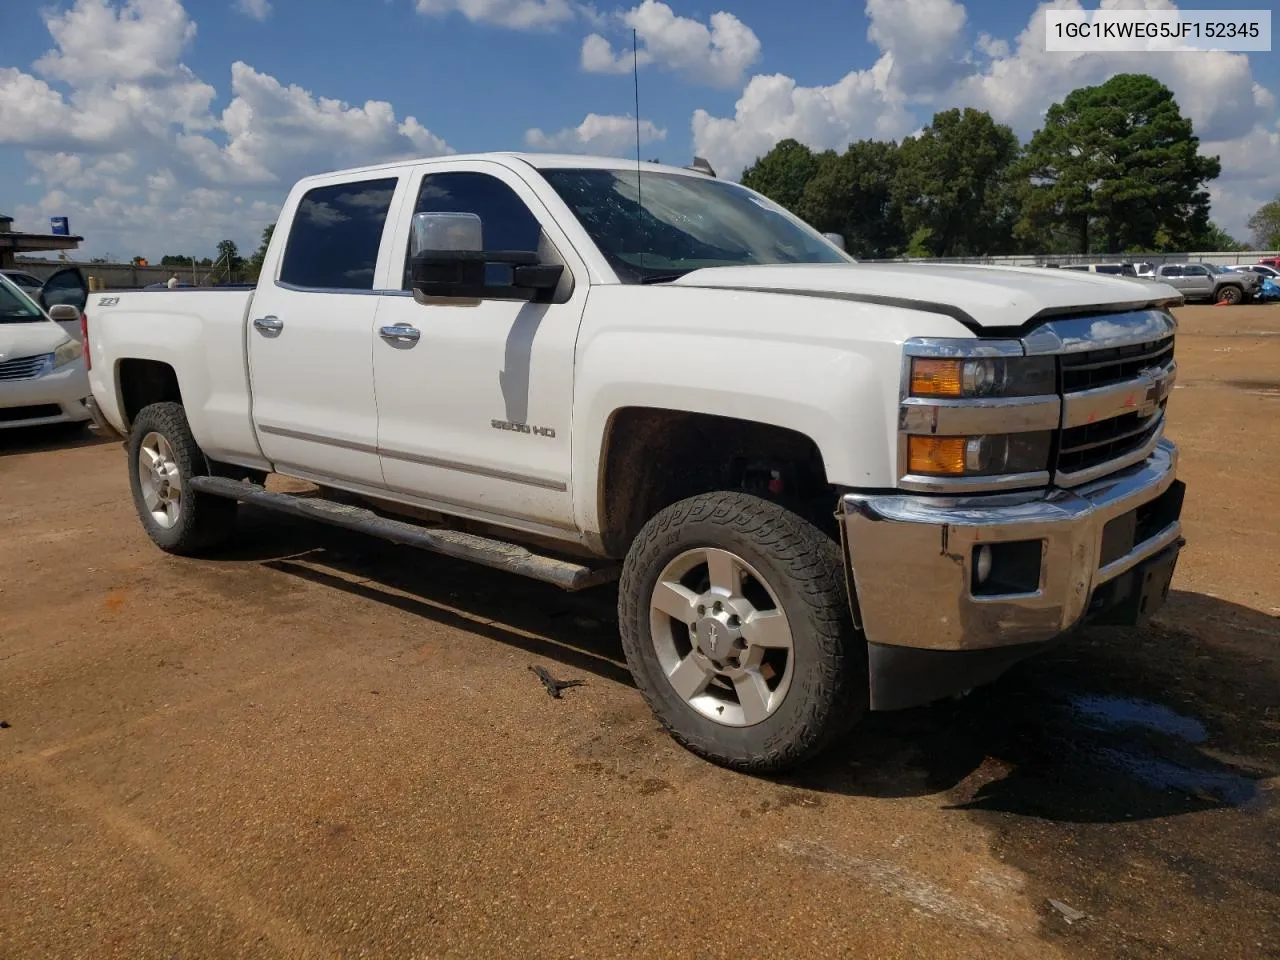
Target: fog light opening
982, 564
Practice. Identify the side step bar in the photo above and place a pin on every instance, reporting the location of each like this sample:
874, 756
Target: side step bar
452, 543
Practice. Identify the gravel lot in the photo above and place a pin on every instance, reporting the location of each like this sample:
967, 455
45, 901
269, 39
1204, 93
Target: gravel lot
321, 745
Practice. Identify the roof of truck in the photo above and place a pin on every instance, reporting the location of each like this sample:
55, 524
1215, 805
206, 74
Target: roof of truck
542, 161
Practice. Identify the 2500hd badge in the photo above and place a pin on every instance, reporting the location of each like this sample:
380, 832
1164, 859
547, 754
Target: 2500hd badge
548, 432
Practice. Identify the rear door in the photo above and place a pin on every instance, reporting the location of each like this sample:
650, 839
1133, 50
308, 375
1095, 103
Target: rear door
311, 331
66, 286
1172, 275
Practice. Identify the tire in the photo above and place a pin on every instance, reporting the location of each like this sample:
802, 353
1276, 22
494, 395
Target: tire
198, 521
1231, 294
801, 572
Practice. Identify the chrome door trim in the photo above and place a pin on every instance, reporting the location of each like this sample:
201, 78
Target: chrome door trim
316, 438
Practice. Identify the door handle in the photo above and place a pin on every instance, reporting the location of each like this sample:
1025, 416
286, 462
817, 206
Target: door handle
268, 324
401, 333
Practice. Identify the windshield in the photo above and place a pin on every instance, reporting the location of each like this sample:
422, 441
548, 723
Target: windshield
678, 224
16, 306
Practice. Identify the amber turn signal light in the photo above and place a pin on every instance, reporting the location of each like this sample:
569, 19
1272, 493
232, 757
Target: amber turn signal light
936, 455
936, 378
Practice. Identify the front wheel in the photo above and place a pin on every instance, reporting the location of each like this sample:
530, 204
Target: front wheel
735, 622
163, 457
1231, 295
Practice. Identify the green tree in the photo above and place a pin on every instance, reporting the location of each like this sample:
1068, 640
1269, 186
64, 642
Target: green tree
228, 265
852, 194
783, 173
259, 255
952, 184
1264, 225
1215, 238
1119, 165
175, 260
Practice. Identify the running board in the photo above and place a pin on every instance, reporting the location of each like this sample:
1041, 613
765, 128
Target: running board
452, 543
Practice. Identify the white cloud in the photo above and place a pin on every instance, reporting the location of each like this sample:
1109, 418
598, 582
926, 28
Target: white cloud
1216, 90
773, 108
928, 63
603, 135
922, 40
718, 54
277, 133
254, 9
513, 14
118, 132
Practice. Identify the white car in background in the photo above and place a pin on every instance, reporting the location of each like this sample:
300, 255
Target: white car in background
43, 379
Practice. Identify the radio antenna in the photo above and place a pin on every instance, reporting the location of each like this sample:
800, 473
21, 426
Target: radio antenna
635, 72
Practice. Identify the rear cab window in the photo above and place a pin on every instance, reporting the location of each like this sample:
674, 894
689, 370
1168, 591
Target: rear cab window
336, 234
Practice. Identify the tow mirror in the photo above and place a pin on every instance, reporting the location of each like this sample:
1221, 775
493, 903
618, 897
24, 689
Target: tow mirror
448, 262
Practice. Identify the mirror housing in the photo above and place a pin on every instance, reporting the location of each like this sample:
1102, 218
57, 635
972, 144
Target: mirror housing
448, 262
64, 313
837, 239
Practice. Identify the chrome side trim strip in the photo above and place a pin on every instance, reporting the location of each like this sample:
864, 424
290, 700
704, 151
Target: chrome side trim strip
316, 438
557, 485
1103, 332
1117, 399
953, 418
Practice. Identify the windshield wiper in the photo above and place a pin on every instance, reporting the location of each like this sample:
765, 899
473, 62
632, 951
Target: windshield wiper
663, 277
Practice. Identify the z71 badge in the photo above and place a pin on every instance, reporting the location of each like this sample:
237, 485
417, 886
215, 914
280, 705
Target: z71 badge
108, 301
522, 428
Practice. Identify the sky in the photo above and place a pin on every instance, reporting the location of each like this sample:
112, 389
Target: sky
164, 126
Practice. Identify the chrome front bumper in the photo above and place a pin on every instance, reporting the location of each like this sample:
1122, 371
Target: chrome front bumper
911, 558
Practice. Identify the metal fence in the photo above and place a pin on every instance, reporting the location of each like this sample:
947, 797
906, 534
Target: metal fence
1222, 258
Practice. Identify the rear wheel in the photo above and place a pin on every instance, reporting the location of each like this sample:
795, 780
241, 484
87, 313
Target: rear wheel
736, 626
163, 457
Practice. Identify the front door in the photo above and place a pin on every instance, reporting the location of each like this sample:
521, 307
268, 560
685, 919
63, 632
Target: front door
310, 336
475, 401
66, 286
1199, 281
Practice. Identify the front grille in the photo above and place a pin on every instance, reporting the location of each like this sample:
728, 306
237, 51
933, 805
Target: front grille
1127, 428
1101, 368
36, 412
23, 368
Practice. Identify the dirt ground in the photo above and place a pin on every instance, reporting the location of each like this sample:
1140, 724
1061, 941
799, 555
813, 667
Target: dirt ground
318, 745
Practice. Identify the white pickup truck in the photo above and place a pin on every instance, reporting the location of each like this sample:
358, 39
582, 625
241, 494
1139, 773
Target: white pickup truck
825, 487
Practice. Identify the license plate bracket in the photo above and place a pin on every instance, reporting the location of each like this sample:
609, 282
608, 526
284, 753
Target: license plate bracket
1154, 578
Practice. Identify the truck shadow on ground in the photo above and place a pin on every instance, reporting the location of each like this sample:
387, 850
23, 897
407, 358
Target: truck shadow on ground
62, 436
1113, 726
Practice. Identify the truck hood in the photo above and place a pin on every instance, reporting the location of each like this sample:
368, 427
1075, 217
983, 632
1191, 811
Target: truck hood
977, 296
29, 339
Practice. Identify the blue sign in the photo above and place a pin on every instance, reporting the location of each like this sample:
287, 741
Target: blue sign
61, 226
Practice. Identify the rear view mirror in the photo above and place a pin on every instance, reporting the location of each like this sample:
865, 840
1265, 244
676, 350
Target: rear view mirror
448, 261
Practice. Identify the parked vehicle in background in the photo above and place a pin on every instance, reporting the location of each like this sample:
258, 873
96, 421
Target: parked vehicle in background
1258, 268
1208, 282
42, 371
29, 284
824, 487
1111, 269
1270, 262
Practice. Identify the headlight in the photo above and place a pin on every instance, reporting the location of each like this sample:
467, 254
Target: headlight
982, 377
66, 353
987, 455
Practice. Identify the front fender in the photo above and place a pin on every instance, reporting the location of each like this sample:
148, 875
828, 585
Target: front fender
827, 369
